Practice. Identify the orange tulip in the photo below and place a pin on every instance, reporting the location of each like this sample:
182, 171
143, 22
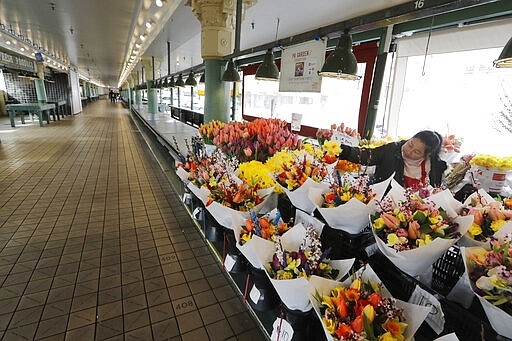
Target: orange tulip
357, 325
391, 221
413, 230
477, 214
496, 214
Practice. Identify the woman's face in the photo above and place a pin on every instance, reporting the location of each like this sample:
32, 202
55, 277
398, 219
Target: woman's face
414, 149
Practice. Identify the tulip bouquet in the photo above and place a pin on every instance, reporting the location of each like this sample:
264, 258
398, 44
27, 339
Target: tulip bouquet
212, 170
239, 197
489, 217
490, 277
348, 202
344, 134
210, 130
296, 256
361, 308
256, 140
414, 233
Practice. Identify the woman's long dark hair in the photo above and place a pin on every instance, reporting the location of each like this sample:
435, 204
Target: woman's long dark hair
432, 141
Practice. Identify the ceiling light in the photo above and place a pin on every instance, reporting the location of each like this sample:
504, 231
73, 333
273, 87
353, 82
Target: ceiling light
8, 42
231, 74
202, 79
171, 83
22, 49
137, 46
149, 23
505, 58
159, 3
268, 69
191, 81
142, 37
342, 62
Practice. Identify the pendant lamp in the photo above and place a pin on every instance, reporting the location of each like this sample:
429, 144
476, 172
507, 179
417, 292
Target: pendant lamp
231, 74
342, 62
505, 58
179, 82
191, 81
166, 83
171, 83
202, 79
268, 69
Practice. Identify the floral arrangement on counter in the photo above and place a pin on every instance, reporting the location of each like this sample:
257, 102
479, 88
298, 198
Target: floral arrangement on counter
491, 272
256, 140
308, 260
451, 143
210, 130
414, 223
263, 227
212, 170
490, 161
341, 192
296, 173
361, 312
489, 218
255, 173
239, 197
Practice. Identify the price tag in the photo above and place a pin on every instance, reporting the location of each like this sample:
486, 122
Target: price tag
255, 294
296, 121
344, 139
306, 220
282, 328
187, 198
435, 318
229, 263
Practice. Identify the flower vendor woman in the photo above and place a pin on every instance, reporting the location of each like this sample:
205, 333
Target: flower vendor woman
415, 162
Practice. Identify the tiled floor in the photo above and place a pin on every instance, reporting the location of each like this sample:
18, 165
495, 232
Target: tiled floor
94, 244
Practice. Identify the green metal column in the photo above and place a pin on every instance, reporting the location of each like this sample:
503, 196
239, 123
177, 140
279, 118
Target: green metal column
152, 104
216, 92
378, 76
129, 93
138, 99
39, 83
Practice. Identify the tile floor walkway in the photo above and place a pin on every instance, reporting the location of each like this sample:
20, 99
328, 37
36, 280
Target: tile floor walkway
95, 245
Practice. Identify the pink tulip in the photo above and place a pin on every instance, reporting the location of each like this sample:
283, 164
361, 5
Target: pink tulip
391, 221
477, 214
413, 230
248, 152
496, 214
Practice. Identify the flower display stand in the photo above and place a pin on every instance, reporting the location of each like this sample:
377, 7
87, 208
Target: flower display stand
213, 231
262, 291
345, 245
306, 326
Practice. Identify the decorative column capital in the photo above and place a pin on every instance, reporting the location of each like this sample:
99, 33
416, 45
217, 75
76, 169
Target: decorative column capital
147, 63
217, 19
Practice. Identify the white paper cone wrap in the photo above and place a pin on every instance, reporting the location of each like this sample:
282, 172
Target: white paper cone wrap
293, 292
255, 243
223, 214
482, 193
446, 200
183, 175
414, 314
299, 196
201, 193
416, 261
500, 321
397, 192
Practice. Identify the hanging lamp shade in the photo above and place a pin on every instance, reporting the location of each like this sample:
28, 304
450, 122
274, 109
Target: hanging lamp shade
191, 80
171, 83
179, 82
505, 58
166, 83
342, 62
202, 79
157, 84
231, 74
268, 69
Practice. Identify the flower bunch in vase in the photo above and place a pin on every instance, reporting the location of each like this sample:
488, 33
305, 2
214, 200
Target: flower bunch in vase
342, 191
239, 197
296, 173
256, 140
361, 312
489, 218
306, 261
210, 130
213, 169
414, 223
263, 227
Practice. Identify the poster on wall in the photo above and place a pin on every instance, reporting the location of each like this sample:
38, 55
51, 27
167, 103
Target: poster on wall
300, 65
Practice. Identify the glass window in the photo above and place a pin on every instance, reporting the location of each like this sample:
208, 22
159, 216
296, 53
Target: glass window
460, 93
337, 102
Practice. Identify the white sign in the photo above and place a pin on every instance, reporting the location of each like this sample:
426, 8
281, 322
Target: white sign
300, 65
229, 263
345, 139
281, 330
435, 318
296, 121
255, 294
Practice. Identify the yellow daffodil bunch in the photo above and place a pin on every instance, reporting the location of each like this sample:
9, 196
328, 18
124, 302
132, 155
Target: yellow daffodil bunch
275, 163
490, 161
256, 173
